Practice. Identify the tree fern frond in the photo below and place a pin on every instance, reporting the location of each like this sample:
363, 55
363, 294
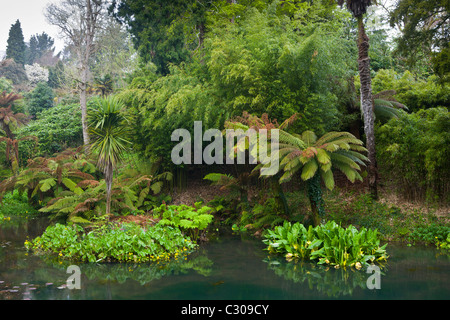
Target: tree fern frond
355, 156
386, 112
322, 156
328, 178
291, 164
47, 184
341, 158
347, 170
332, 136
309, 170
309, 138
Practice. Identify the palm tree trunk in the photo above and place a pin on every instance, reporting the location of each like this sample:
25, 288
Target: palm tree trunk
367, 105
108, 181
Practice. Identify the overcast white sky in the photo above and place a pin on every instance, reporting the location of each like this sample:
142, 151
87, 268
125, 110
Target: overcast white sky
31, 16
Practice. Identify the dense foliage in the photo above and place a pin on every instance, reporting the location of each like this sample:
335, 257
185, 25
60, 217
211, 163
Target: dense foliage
423, 31
229, 64
56, 128
413, 92
262, 63
414, 152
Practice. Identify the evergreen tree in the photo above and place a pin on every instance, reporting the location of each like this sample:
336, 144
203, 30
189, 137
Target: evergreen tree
39, 45
16, 44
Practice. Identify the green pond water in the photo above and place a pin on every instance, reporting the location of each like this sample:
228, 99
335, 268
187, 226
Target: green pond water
230, 267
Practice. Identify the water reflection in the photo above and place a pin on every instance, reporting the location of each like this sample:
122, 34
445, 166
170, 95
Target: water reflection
331, 282
229, 267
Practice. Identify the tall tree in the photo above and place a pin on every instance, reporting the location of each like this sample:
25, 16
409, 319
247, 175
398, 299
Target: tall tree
16, 44
358, 8
425, 31
108, 127
157, 32
38, 46
79, 21
115, 56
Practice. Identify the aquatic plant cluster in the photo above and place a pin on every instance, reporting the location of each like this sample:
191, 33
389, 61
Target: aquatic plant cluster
174, 236
327, 243
113, 242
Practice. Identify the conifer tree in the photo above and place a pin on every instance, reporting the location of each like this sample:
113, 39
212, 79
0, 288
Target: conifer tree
16, 44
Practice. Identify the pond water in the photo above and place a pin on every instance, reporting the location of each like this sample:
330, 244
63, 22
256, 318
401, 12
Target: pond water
231, 267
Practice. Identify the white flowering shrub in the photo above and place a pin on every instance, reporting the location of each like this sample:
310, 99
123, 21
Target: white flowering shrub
36, 73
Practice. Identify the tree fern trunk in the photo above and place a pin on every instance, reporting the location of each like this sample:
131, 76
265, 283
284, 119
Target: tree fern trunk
279, 195
315, 198
367, 105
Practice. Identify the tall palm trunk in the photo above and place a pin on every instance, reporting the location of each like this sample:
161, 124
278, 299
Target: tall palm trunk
367, 105
108, 181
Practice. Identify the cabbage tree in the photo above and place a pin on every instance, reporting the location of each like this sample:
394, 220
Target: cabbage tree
108, 129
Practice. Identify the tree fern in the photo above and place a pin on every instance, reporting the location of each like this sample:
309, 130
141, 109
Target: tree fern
312, 156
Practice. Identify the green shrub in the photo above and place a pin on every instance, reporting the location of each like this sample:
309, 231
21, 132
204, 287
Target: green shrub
15, 203
113, 242
5, 85
415, 93
327, 244
41, 98
57, 129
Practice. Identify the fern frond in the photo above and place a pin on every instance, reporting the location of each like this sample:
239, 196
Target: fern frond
309, 169
87, 183
328, 178
63, 205
322, 156
341, 158
332, 136
309, 137
47, 184
347, 170
72, 186
355, 156
386, 112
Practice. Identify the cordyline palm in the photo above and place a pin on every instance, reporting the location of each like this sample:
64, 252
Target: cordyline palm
358, 8
315, 158
108, 128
